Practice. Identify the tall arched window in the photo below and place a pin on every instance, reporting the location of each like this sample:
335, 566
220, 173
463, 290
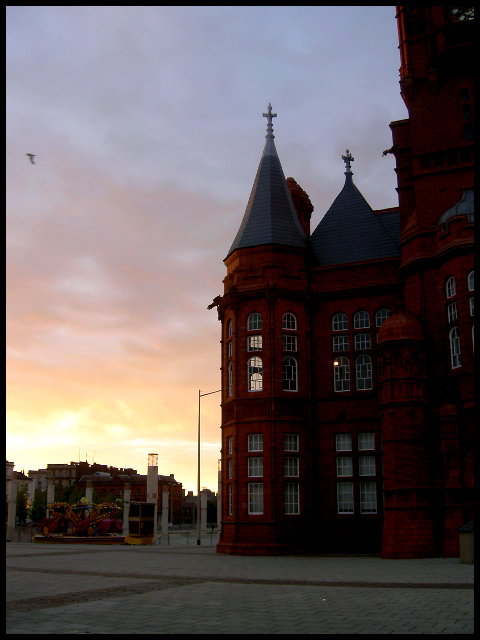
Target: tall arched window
254, 322
364, 372
341, 374
290, 382
339, 322
361, 320
455, 348
381, 316
451, 287
289, 321
230, 379
470, 281
255, 374
229, 329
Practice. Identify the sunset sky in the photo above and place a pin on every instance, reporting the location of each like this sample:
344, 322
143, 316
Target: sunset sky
147, 127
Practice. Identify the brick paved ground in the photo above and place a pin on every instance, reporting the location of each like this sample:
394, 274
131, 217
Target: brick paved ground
180, 589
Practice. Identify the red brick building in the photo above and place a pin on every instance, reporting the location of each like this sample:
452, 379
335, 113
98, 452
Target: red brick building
347, 353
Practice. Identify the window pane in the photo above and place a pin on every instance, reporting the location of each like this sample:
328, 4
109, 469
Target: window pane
289, 374
455, 348
254, 322
340, 322
368, 497
345, 497
254, 343
255, 374
255, 498
361, 320
367, 465
366, 441
291, 467
362, 341
289, 343
341, 374
451, 287
255, 442
292, 499
340, 343
343, 442
255, 467
289, 321
381, 316
364, 373
344, 467
290, 442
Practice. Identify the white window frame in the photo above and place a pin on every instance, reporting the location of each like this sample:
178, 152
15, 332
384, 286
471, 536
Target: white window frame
368, 497
366, 466
255, 374
255, 442
450, 287
340, 322
254, 322
363, 369
340, 343
361, 320
341, 375
343, 442
291, 442
452, 312
362, 341
366, 441
289, 343
292, 498
290, 374
289, 321
254, 343
455, 351
345, 503
344, 467
255, 498
255, 467
470, 280
291, 467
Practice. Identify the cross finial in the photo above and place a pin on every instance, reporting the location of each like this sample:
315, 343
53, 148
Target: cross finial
348, 159
269, 116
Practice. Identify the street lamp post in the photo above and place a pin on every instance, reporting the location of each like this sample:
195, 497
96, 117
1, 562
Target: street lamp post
200, 395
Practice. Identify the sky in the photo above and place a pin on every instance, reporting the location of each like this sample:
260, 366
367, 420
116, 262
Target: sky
147, 127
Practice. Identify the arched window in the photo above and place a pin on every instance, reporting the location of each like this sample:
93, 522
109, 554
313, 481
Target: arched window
289, 321
340, 322
364, 372
290, 382
254, 322
451, 287
229, 329
470, 281
455, 348
361, 320
341, 374
255, 374
230, 379
381, 316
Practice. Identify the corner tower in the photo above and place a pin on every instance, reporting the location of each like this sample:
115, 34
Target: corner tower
265, 379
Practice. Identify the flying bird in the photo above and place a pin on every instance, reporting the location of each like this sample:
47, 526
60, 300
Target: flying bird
31, 156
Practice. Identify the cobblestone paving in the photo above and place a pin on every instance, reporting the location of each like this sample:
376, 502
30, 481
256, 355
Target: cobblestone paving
145, 590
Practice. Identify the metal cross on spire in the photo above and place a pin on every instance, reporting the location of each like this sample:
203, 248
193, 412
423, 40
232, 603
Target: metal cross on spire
269, 116
348, 159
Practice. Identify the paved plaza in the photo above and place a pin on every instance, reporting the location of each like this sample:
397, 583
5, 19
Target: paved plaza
185, 588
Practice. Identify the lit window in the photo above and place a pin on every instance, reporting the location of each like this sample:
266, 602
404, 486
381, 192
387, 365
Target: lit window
340, 322
451, 287
362, 341
367, 465
254, 322
341, 374
361, 320
366, 441
255, 374
345, 497
344, 467
291, 467
289, 374
255, 441
364, 372
255, 498
290, 442
343, 442
381, 316
292, 499
289, 343
254, 343
368, 497
255, 467
455, 348
340, 343
289, 321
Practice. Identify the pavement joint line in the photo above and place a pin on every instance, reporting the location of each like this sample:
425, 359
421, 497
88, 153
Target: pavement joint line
262, 581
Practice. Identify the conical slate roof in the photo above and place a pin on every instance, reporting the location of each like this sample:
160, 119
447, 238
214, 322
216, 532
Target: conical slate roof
270, 216
351, 232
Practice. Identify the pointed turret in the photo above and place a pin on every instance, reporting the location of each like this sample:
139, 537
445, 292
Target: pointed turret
350, 231
270, 216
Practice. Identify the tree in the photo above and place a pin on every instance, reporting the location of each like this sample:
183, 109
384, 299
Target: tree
39, 506
22, 505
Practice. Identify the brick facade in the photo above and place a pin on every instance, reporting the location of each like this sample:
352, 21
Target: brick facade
347, 354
